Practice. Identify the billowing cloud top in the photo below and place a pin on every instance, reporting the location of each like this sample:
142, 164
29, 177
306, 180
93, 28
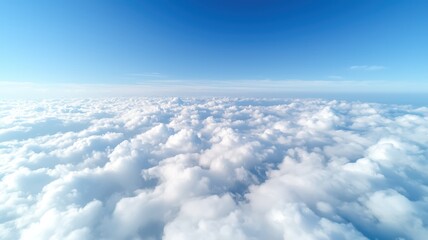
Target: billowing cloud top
212, 169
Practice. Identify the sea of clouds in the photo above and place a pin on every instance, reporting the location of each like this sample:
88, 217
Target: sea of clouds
221, 168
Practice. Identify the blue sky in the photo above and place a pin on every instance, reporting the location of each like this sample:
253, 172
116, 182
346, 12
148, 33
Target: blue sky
145, 42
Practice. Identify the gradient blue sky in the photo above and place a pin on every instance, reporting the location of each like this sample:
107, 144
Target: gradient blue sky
112, 41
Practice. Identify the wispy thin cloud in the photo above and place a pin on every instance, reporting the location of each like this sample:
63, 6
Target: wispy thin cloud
367, 67
164, 87
147, 75
337, 77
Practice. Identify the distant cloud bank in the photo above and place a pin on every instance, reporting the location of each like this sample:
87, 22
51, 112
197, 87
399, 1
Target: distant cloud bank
218, 168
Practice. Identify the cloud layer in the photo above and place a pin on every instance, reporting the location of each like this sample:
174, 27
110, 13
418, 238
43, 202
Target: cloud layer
222, 168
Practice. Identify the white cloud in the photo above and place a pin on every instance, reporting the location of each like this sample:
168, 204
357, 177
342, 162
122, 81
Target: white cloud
367, 67
221, 168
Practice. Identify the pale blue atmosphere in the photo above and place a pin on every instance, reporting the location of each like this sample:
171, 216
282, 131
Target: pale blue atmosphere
348, 46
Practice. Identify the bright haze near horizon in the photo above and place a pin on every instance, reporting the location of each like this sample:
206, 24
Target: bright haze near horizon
213, 119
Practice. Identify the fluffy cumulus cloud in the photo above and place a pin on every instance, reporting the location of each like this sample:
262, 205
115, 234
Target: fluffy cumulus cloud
145, 168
